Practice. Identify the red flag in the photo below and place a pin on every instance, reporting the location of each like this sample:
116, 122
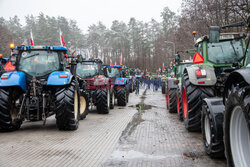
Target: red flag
61, 39
121, 60
31, 39
163, 67
111, 64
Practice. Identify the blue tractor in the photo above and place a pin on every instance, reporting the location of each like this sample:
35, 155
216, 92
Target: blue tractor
40, 87
121, 83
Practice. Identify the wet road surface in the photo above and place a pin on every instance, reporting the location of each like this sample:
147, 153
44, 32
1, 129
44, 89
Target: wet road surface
136, 135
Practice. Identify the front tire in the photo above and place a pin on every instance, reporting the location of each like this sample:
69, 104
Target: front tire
213, 147
172, 101
112, 100
163, 88
179, 105
236, 126
192, 97
67, 106
8, 109
84, 106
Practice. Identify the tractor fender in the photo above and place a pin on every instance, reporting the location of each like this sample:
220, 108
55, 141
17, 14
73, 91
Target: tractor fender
59, 78
209, 80
237, 76
16, 78
216, 112
171, 84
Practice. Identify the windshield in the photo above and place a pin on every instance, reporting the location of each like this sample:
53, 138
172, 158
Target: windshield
115, 73
226, 52
39, 63
86, 69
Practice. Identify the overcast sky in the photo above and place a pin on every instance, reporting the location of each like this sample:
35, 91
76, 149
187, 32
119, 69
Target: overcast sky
87, 12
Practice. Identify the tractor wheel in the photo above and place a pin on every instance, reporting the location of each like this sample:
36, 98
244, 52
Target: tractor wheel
179, 105
127, 95
112, 100
237, 126
121, 96
163, 88
172, 101
131, 86
214, 148
8, 109
192, 97
103, 101
84, 106
167, 99
67, 106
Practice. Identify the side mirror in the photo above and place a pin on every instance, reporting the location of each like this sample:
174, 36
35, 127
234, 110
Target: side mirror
13, 59
109, 69
177, 58
214, 34
79, 58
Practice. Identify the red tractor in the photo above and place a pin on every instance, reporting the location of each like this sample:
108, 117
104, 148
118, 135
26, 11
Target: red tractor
96, 89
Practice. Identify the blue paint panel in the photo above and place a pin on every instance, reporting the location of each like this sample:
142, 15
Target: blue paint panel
114, 66
6, 59
59, 48
54, 78
16, 78
121, 81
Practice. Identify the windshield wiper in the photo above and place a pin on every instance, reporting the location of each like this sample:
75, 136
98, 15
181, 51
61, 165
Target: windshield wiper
31, 56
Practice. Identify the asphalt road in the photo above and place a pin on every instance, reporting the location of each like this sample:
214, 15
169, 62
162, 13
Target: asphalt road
124, 137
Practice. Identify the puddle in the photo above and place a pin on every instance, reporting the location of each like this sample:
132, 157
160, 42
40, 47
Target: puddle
131, 154
136, 120
193, 155
142, 107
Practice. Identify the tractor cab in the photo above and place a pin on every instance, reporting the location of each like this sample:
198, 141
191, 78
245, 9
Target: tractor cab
115, 71
89, 68
224, 52
39, 61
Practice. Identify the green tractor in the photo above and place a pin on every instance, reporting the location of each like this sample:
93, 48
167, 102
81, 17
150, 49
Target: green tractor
180, 66
225, 119
173, 96
168, 90
216, 55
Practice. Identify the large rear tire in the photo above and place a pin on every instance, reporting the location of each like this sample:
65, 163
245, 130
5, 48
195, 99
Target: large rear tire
8, 109
121, 95
192, 97
67, 106
213, 147
103, 101
236, 126
172, 101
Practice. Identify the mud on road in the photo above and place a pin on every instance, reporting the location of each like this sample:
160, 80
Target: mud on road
155, 137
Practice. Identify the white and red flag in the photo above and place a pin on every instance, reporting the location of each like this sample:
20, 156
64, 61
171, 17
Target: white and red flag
61, 39
121, 60
31, 39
